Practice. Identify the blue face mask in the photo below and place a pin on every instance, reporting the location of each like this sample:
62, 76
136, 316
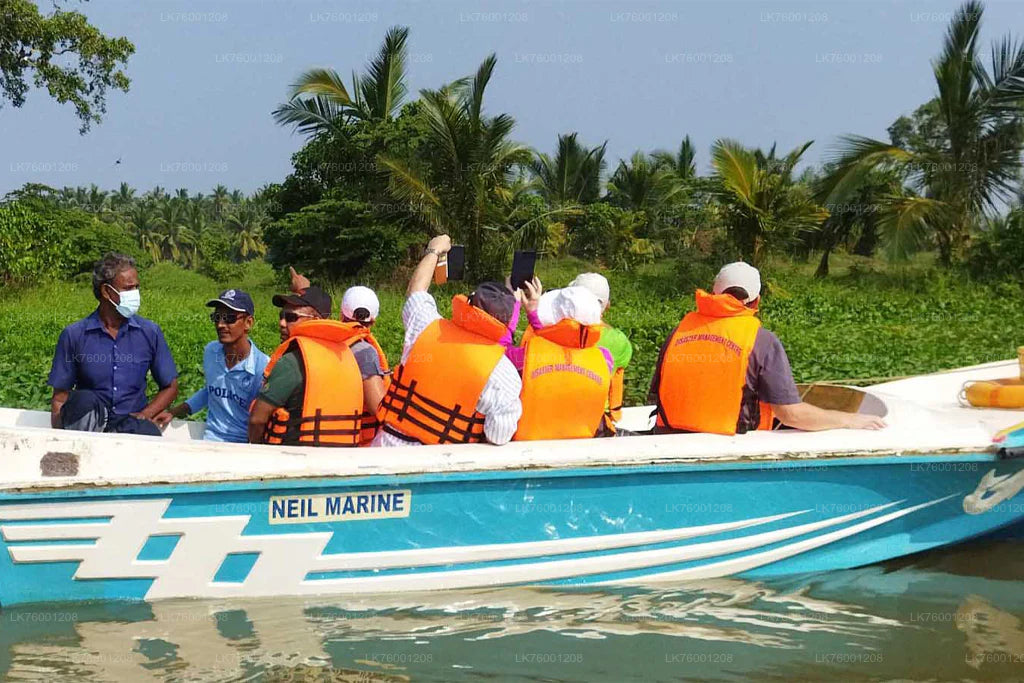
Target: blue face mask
130, 300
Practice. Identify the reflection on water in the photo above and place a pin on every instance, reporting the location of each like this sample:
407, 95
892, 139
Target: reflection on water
955, 614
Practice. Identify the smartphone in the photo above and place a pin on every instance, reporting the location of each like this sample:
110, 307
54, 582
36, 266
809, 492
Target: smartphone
457, 262
523, 263
451, 266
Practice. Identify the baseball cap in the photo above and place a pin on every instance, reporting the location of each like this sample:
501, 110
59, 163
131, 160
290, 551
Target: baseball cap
313, 296
358, 299
596, 283
574, 303
494, 299
739, 274
236, 300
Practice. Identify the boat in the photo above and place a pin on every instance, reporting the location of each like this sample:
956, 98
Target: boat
121, 517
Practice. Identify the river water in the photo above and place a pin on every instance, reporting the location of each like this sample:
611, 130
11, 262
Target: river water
952, 614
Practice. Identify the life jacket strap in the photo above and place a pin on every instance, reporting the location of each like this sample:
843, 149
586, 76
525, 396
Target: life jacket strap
310, 430
439, 420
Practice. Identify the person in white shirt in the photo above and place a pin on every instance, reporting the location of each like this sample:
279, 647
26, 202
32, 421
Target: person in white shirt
444, 363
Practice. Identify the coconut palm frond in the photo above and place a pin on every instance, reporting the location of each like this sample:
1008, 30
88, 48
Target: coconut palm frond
904, 224
383, 89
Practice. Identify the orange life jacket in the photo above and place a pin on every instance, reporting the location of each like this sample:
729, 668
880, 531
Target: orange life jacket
433, 394
704, 369
616, 392
332, 402
566, 383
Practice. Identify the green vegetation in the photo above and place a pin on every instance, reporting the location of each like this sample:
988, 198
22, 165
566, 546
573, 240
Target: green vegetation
45, 232
866, 321
62, 52
957, 157
379, 173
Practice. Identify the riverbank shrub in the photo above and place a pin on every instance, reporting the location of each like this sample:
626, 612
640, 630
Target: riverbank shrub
39, 242
997, 253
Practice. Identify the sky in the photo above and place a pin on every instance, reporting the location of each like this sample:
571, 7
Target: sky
641, 75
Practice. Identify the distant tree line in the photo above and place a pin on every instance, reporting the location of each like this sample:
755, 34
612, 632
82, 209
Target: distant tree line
61, 232
381, 171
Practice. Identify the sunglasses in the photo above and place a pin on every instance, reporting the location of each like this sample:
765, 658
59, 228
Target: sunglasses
292, 316
226, 318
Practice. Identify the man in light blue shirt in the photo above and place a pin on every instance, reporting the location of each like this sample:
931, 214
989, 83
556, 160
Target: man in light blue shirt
233, 367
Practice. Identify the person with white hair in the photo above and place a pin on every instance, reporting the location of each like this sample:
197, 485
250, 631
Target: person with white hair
721, 372
613, 339
566, 376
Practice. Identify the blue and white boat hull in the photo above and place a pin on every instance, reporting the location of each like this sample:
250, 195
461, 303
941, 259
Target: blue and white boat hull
615, 525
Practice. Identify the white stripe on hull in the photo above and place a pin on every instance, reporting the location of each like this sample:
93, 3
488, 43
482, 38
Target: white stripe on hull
205, 541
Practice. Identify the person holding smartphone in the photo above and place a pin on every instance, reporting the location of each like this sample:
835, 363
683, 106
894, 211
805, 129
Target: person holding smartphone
233, 367
454, 384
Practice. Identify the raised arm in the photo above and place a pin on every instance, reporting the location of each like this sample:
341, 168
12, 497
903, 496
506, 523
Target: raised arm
424, 273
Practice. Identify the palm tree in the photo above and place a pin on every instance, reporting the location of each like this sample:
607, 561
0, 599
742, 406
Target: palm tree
855, 219
157, 193
319, 100
198, 227
247, 225
973, 162
573, 176
66, 197
177, 238
643, 185
220, 201
97, 200
762, 204
124, 197
143, 222
682, 163
465, 188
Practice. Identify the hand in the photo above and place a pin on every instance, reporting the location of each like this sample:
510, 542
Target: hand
441, 244
858, 421
161, 420
300, 283
532, 289
143, 416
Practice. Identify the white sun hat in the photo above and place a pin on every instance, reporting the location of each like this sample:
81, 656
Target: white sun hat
575, 303
739, 274
596, 283
360, 297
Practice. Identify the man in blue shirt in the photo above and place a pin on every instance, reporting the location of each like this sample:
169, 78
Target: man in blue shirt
101, 362
233, 367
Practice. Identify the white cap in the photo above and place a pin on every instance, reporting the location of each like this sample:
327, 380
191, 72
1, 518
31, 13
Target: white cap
739, 274
596, 283
359, 297
575, 303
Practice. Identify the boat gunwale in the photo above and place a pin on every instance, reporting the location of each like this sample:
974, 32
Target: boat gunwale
225, 480
926, 433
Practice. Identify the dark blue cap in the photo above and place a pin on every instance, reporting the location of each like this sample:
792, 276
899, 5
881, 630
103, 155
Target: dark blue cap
236, 300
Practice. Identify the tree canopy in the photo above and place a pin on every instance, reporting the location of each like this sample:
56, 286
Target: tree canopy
63, 53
